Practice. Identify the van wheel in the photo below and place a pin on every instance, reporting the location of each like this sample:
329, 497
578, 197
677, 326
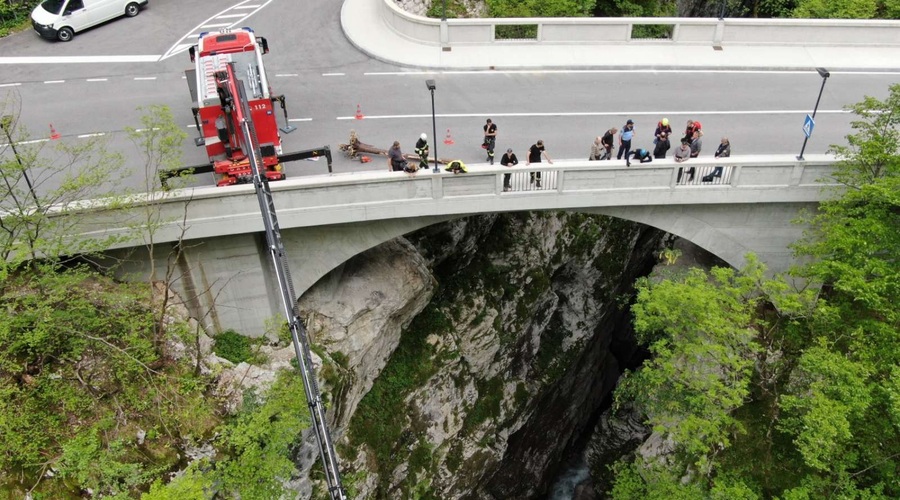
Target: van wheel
132, 9
65, 34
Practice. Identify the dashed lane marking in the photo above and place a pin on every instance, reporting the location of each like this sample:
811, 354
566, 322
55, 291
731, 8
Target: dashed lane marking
97, 134
10, 84
54, 81
607, 113
333, 74
300, 120
97, 79
286, 74
145, 78
619, 71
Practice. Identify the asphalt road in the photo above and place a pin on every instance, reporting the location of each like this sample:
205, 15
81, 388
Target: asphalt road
324, 79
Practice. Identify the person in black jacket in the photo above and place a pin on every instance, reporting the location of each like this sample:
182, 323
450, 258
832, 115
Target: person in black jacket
508, 160
608, 140
422, 151
662, 146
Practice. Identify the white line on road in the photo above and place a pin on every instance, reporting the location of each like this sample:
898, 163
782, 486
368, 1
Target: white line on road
333, 74
97, 79
217, 25
85, 136
33, 141
146, 129
246, 7
300, 120
10, 84
598, 113
227, 16
614, 71
145, 78
179, 47
54, 81
286, 74
77, 59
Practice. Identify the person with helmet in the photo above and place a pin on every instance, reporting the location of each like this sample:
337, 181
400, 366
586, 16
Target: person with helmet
662, 146
490, 139
640, 154
422, 150
662, 128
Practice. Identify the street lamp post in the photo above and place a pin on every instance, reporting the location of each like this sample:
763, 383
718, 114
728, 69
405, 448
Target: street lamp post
431, 86
6, 125
824, 74
444, 14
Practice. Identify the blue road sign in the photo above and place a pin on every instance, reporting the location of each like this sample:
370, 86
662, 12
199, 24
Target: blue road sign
808, 126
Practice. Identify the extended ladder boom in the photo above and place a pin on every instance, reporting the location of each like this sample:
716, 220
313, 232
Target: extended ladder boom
285, 285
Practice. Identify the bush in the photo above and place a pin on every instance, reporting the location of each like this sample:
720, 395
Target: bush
234, 347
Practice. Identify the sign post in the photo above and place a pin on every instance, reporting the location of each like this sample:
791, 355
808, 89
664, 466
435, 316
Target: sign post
809, 123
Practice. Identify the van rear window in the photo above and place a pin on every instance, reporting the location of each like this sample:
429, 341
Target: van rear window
226, 38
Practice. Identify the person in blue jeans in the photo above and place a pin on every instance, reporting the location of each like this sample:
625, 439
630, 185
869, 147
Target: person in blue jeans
625, 139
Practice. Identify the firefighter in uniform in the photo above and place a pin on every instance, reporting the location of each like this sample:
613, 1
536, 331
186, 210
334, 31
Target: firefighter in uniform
490, 139
422, 150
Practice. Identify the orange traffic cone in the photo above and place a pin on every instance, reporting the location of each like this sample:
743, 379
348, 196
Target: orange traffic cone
448, 140
359, 115
53, 133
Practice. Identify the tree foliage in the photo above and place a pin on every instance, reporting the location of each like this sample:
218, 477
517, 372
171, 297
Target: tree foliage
813, 411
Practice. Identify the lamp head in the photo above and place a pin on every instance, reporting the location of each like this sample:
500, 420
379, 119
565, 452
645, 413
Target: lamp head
430, 85
823, 72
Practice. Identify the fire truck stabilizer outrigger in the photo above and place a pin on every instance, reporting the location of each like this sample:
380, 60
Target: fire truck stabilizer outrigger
214, 109
248, 159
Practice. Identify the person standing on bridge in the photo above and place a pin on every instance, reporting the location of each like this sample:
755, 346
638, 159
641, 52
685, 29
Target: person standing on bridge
508, 160
662, 146
625, 139
490, 139
397, 161
724, 151
534, 156
422, 151
596, 149
683, 154
662, 128
696, 143
607, 141
692, 126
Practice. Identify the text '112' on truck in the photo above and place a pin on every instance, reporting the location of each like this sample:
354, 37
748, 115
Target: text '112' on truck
229, 73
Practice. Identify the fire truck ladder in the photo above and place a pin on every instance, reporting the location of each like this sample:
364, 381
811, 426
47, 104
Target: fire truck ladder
286, 287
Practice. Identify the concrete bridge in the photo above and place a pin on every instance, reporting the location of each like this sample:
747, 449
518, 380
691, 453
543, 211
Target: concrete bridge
326, 220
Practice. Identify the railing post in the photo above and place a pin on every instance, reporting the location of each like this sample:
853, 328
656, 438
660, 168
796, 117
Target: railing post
735, 175
437, 187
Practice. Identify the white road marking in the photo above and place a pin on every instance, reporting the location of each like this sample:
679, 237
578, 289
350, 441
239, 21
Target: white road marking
333, 74
226, 16
179, 47
598, 113
77, 59
300, 120
286, 74
217, 25
34, 141
145, 78
97, 79
146, 129
85, 136
191, 126
54, 81
10, 84
600, 71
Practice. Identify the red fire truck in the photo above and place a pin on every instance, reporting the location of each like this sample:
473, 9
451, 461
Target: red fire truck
229, 62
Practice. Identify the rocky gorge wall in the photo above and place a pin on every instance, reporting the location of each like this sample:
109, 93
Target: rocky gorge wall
465, 360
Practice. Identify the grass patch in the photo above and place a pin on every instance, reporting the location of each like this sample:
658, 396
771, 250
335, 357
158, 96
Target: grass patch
236, 348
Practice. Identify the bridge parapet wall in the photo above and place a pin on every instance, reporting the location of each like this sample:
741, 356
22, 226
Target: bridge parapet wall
714, 31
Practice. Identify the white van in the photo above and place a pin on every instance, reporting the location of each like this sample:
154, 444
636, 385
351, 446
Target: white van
61, 19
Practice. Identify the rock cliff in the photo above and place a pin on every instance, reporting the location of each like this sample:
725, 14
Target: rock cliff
465, 360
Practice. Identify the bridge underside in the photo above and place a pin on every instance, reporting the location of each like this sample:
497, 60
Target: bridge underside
227, 280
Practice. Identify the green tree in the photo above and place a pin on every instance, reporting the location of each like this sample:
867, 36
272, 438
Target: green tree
829, 9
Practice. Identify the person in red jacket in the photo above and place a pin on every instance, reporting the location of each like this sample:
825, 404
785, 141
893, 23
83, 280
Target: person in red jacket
692, 126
